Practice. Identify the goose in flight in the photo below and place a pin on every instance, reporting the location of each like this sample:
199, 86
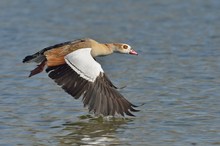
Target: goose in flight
73, 67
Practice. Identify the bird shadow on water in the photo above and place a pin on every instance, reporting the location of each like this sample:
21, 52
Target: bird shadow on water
92, 131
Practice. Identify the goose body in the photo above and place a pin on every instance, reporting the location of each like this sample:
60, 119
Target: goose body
73, 67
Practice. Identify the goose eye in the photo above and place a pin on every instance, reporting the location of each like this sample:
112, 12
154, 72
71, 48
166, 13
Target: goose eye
125, 46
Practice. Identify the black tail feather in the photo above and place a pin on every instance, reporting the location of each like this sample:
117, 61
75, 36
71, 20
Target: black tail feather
28, 58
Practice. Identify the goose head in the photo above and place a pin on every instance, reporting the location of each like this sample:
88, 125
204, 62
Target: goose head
124, 48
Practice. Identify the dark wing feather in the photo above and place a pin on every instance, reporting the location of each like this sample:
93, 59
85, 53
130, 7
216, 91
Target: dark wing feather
108, 82
100, 96
39, 56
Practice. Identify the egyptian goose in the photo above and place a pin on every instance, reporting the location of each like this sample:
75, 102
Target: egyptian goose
72, 66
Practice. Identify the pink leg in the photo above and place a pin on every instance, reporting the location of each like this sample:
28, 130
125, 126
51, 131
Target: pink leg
38, 69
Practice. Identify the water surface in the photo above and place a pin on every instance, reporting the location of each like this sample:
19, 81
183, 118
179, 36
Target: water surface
176, 73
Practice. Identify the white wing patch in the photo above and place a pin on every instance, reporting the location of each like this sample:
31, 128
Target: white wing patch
83, 63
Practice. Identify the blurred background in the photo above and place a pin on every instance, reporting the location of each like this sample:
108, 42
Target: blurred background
176, 73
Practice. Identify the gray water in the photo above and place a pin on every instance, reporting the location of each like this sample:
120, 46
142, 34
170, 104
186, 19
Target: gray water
176, 75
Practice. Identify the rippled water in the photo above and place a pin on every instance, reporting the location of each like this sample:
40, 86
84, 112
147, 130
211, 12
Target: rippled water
176, 74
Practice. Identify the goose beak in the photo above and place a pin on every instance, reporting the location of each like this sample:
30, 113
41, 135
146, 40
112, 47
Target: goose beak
132, 52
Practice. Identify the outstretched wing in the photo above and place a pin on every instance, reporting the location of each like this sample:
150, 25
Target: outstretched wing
83, 76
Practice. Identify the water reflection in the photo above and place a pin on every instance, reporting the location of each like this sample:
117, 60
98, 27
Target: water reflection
92, 131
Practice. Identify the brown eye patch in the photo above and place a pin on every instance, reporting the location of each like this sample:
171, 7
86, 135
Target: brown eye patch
125, 46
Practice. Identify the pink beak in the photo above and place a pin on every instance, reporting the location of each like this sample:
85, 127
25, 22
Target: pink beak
132, 52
